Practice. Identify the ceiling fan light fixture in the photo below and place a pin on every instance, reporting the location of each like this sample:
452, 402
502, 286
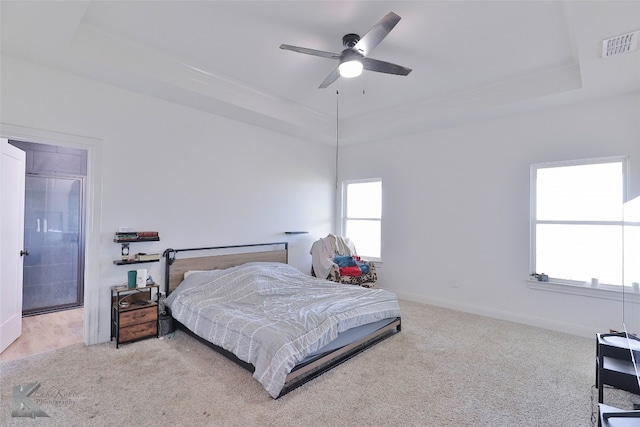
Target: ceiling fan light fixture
355, 57
352, 68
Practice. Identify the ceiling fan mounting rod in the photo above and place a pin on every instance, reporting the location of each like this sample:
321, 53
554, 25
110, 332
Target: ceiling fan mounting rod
350, 40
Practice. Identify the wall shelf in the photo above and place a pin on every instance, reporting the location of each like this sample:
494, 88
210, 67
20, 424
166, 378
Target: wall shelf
146, 239
125, 238
126, 262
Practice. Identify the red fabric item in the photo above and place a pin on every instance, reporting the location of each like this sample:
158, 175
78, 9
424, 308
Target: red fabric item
353, 270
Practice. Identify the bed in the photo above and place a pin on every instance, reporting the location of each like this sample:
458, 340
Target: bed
284, 326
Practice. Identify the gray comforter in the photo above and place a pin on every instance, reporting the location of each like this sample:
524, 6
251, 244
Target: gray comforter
272, 315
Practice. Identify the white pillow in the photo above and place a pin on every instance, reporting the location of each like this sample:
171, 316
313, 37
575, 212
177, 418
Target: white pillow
188, 273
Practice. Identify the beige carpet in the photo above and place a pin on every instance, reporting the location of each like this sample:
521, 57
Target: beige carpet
444, 369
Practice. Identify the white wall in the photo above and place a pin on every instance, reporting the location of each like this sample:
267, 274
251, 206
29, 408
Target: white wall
456, 209
456, 200
198, 179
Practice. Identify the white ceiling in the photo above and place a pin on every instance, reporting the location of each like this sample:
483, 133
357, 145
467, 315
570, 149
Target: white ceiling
471, 60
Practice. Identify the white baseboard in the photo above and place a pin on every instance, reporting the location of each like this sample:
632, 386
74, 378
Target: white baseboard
501, 315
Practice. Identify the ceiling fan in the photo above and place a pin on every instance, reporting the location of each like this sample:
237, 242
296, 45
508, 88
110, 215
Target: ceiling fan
355, 55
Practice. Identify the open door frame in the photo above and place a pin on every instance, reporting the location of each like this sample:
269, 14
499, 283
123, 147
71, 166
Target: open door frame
93, 222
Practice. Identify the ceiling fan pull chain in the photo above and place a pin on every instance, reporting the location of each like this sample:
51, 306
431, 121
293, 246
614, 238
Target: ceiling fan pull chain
337, 131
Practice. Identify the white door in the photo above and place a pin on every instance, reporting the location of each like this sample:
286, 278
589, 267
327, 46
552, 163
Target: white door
12, 176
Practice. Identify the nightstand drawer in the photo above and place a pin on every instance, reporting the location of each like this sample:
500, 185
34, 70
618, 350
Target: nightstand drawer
142, 315
141, 330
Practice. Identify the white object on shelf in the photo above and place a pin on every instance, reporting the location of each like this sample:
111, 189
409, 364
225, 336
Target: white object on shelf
141, 277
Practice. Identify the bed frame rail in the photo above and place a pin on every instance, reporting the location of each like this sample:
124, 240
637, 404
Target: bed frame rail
304, 373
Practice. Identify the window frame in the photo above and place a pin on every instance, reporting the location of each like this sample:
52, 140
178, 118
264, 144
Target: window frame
344, 218
533, 222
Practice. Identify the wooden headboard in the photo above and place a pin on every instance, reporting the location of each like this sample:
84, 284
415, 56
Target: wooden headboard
175, 266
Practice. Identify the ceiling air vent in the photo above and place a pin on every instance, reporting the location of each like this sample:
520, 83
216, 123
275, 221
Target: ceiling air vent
620, 44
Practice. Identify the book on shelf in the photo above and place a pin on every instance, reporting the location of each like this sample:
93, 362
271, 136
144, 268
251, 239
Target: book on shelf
126, 236
137, 235
142, 234
146, 257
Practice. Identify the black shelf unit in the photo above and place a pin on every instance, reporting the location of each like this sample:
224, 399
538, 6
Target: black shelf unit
614, 367
126, 241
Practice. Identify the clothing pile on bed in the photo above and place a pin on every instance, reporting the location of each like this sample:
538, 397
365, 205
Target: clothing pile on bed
335, 258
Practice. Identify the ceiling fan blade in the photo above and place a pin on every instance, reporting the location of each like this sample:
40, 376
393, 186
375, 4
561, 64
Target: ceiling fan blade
377, 33
384, 67
308, 51
330, 79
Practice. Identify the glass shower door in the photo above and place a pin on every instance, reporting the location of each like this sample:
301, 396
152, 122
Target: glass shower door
53, 236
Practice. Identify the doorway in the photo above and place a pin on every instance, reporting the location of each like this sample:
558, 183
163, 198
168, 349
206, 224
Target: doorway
53, 278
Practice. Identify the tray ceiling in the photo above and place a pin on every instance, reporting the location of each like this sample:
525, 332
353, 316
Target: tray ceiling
471, 60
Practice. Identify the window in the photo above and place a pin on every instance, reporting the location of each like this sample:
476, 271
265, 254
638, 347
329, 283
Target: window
576, 220
362, 216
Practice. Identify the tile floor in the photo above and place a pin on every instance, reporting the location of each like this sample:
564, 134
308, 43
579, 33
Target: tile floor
46, 332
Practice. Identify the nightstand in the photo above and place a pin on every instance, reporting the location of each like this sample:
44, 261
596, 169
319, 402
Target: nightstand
134, 313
